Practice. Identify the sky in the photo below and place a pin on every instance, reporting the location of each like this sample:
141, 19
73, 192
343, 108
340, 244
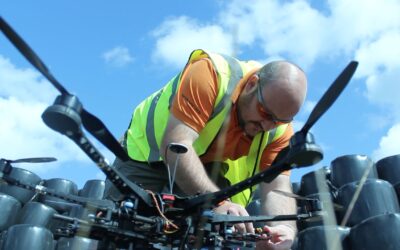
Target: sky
114, 54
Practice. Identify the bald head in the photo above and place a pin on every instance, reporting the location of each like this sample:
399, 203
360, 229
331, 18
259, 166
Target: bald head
286, 84
283, 73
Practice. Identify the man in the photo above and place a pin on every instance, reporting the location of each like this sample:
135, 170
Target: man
221, 110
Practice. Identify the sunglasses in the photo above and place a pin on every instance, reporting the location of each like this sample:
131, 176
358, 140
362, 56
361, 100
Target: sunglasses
264, 111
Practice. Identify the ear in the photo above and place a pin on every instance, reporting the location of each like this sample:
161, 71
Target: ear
251, 83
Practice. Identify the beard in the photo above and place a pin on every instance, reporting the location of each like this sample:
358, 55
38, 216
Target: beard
240, 119
243, 102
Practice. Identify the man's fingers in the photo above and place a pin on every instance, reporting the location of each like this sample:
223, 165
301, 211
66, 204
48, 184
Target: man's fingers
280, 236
236, 210
250, 228
267, 244
249, 225
240, 227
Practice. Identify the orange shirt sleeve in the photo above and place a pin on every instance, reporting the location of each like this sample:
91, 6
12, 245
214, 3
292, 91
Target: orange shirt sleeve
193, 104
272, 150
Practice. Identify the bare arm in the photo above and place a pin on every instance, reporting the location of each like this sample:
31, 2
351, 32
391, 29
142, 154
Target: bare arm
190, 173
282, 232
276, 204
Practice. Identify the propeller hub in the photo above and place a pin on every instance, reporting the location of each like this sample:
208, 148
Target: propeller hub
64, 115
303, 150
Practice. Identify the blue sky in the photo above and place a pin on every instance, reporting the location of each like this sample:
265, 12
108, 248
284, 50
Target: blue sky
112, 55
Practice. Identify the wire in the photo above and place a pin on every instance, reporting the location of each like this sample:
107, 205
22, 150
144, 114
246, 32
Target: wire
254, 169
168, 170
174, 174
168, 222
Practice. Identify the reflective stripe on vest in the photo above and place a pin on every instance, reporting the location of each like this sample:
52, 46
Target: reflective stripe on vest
150, 130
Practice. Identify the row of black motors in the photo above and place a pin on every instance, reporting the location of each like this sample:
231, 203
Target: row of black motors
30, 220
361, 204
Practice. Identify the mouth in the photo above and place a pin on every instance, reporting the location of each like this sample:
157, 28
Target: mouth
252, 128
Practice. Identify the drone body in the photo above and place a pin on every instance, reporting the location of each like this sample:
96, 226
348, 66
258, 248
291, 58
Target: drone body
143, 219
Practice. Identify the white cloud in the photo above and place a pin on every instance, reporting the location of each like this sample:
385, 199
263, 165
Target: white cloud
24, 96
177, 37
118, 56
357, 21
304, 34
283, 29
290, 29
24, 84
389, 144
380, 54
383, 89
381, 67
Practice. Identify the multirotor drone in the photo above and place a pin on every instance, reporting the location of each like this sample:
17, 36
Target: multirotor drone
144, 219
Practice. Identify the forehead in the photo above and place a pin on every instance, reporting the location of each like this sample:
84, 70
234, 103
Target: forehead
279, 100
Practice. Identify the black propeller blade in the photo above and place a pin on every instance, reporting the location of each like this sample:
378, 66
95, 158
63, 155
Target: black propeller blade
29, 54
64, 118
5, 164
330, 95
100, 131
32, 160
302, 150
67, 115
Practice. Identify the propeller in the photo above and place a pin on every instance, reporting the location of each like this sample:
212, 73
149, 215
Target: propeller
31, 160
5, 164
330, 95
302, 150
67, 114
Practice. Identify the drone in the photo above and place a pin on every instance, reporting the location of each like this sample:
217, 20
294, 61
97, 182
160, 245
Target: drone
143, 219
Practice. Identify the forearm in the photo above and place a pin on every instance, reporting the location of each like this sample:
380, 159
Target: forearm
191, 176
276, 204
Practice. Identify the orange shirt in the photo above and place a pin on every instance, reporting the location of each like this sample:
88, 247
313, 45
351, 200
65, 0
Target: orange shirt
193, 105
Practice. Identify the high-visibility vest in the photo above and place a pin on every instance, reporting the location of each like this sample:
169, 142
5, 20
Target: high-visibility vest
247, 166
149, 120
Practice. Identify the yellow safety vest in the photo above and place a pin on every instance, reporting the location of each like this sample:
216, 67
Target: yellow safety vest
149, 120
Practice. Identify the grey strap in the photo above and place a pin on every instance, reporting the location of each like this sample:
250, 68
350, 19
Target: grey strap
271, 136
174, 86
236, 75
154, 154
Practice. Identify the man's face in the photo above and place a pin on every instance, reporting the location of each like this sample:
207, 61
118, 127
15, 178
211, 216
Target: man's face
261, 108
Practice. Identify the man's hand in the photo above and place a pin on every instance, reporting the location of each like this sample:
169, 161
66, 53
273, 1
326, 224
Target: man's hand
235, 209
278, 237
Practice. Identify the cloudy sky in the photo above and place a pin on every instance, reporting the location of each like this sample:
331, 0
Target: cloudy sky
112, 55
